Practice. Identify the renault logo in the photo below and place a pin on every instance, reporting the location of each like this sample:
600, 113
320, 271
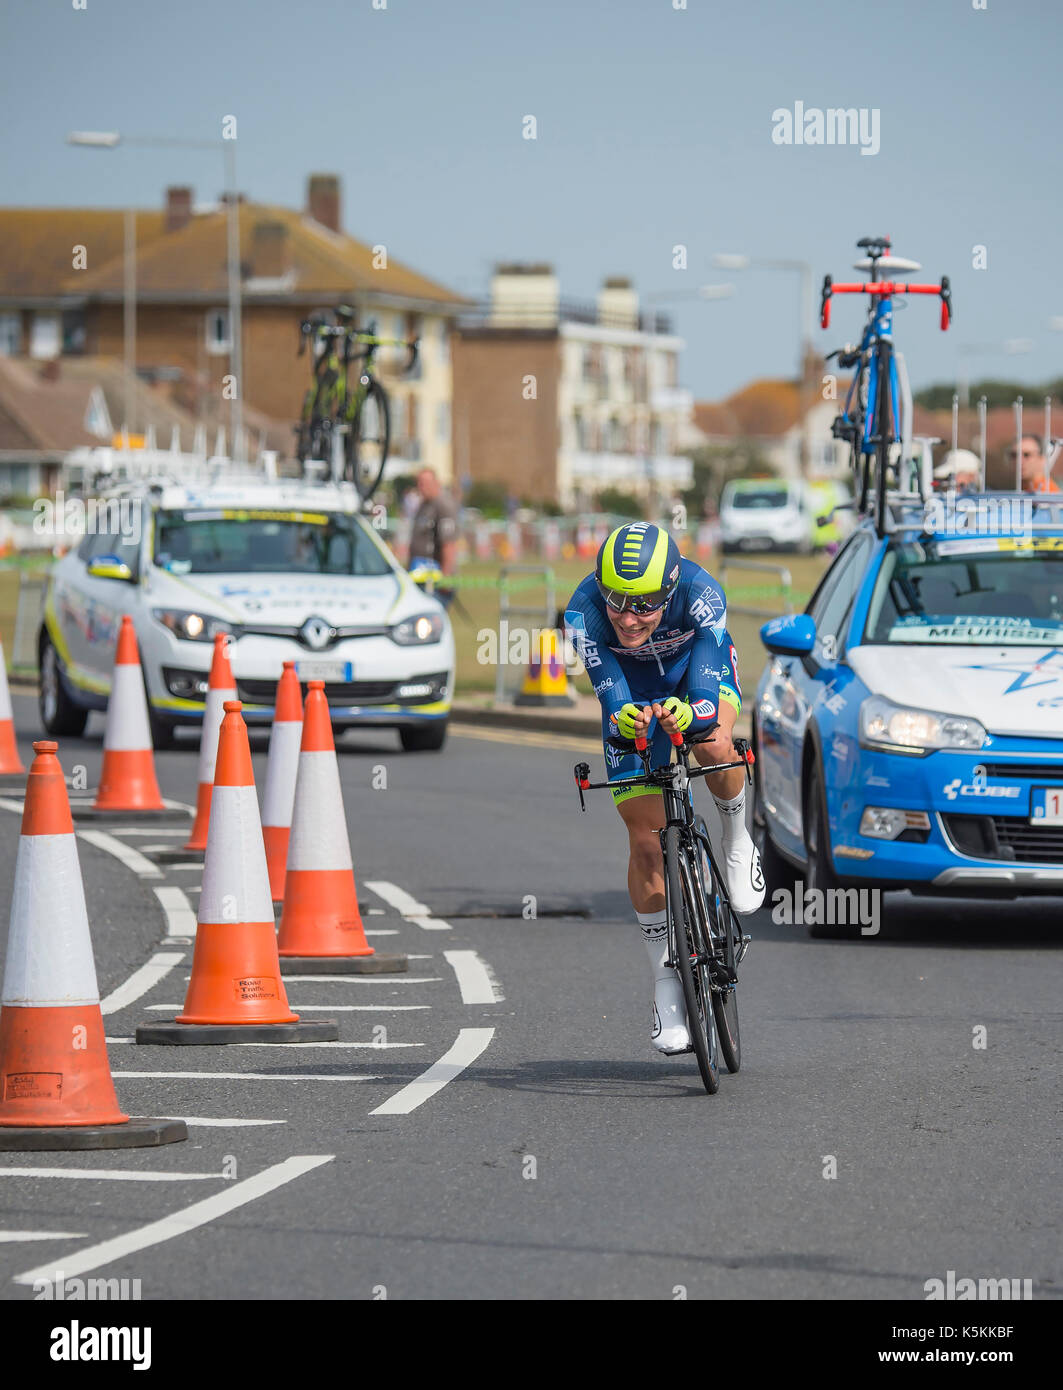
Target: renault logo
316, 634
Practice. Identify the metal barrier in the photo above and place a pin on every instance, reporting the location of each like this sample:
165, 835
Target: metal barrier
786, 584
31, 591
506, 610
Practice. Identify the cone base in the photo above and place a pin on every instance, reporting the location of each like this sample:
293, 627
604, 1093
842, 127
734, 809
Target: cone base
134, 1134
375, 964
197, 1034
160, 815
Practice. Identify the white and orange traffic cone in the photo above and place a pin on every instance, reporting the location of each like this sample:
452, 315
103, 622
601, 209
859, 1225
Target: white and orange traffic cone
281, 770
10, 762
236, 993
220, 687
127, 778
321, 926
56, 1090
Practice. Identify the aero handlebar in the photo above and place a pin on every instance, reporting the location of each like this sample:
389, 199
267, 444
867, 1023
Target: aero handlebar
886, 287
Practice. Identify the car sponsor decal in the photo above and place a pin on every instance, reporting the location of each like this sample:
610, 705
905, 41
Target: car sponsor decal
978, 786
255, 514
1046, 670
1010, 632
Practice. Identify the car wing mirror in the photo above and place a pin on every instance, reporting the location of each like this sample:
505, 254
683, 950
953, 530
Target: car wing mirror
110, 567
793, 635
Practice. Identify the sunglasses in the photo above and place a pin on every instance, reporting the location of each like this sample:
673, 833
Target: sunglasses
1026, 453
633, 603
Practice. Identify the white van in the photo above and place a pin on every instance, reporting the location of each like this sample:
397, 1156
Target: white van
766, 514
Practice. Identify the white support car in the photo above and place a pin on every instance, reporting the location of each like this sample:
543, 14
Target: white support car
292, 571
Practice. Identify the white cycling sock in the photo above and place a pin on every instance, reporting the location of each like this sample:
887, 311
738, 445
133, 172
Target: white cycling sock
654, 927
733, 819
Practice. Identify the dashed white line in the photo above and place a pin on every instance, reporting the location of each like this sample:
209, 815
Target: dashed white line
430, 923
233, 1075
148, 830
474, 978
6, 1236
129, 856
180, 919
109, 1174
469, 1044
229, 1122
156, 969
397, 897
198, 1214
277, 1045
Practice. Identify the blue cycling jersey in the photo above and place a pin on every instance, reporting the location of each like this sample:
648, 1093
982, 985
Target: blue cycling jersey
690, 653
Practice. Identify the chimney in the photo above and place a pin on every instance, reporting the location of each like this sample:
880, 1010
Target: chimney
178, 208
323, 200
618, 303
270, 251
524, 296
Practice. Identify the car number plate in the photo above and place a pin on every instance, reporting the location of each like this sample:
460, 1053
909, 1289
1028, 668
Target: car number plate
334, 671
1046, 806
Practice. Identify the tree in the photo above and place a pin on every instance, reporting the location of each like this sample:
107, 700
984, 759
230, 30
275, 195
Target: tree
716, 464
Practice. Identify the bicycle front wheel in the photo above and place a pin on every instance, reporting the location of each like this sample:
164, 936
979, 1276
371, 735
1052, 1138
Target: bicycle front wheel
368, 440
691, 956
723, 936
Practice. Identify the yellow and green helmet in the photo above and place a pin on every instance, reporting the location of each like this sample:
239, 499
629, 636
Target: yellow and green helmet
637, 568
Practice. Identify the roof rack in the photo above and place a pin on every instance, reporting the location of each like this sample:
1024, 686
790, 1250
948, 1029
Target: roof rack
1032, 512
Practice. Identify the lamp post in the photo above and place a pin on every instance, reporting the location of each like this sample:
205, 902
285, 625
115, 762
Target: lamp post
109, 139
1014, 347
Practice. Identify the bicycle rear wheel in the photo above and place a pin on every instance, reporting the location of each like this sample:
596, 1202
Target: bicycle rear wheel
368, 440
689, 935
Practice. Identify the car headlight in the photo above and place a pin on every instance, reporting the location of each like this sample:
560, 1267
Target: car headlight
418, 630
903, 730
190, 627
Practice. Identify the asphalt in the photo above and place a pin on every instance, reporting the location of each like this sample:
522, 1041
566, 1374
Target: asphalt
568, 1160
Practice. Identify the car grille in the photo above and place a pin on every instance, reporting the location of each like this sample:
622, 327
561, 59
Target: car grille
336, 692
1007, 838
1034, 772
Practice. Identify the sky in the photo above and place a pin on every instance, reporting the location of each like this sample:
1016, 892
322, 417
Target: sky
654, 130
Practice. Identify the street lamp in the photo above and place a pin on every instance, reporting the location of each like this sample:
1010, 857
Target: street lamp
1013, 347
110, 139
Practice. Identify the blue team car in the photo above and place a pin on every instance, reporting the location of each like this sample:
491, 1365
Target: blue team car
908, 728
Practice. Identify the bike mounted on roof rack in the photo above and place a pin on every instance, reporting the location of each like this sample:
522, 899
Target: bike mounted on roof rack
876, 419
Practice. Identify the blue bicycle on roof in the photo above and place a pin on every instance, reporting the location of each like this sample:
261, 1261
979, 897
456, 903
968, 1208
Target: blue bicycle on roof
877, 416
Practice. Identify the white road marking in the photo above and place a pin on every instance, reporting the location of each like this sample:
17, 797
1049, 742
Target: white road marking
198, 1214
384, 931
226, 1123
397, 897
186, 869
232, 1075
6, 1236
375, 912
148, 830
474, 978
350, 1008
156, 969
180, 919
109, 1174
469, 1044
130, 857
430, 923
8, 805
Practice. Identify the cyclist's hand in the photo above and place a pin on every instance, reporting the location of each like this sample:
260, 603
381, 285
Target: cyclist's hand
675, 715
632, 722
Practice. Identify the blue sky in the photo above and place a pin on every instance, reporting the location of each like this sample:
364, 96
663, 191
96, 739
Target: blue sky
654, 129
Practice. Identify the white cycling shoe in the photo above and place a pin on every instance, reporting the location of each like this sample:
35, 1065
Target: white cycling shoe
670, 1034
745, 877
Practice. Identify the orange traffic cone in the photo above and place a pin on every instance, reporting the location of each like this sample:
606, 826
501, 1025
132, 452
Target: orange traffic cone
321, 927
281, 769
56, 1090
10, 762
220, 687
236, 993
127, 778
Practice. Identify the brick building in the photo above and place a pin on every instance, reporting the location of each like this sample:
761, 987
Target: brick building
57, 299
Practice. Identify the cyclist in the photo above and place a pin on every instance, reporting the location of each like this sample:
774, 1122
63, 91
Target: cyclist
651, 631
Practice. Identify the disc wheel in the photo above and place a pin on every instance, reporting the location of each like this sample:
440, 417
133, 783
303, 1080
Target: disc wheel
692, 952
368, 440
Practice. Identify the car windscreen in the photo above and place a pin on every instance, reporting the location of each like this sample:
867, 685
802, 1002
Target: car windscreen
985, 591
257, 541
762, 499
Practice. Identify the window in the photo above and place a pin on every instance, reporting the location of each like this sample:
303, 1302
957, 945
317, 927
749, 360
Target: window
313, 544
10, 334
218, 331
833, 600
45, 336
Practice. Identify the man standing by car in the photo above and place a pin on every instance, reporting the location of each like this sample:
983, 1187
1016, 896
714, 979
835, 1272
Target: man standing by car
1034, 476
434, 533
